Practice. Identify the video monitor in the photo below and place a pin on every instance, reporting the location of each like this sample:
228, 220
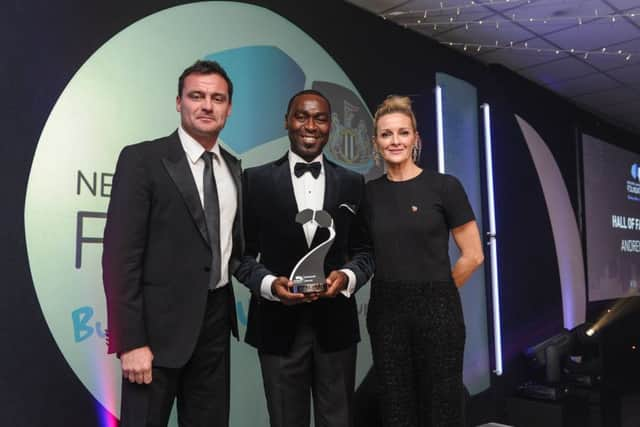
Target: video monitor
611, 185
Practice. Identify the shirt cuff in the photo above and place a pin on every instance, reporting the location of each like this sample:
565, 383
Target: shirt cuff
265, 287
351, 286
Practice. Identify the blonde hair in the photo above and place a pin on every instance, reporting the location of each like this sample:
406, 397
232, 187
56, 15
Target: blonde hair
395, 104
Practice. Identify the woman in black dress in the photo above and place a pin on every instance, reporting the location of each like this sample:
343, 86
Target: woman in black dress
415, 318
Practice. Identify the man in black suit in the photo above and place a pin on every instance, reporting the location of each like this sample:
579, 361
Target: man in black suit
304, 349
173, 237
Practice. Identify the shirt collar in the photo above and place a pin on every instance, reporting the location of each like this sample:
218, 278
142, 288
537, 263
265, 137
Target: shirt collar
193, 149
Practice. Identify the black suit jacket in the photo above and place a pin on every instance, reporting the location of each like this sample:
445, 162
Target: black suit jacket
156, 260
271, 232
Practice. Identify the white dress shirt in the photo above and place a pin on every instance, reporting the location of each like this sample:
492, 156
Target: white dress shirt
227, 195
309, 194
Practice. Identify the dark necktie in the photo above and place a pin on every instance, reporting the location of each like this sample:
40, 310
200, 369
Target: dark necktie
212, 216
314, 167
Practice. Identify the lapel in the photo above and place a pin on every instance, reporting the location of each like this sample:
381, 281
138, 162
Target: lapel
176, 164
286, 198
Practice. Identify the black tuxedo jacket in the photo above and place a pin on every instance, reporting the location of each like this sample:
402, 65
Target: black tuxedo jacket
272, 233
157, 259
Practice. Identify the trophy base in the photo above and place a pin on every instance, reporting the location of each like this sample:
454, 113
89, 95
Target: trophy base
307, 288
309, 283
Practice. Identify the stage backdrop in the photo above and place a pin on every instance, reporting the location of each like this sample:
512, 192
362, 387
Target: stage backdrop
83, 79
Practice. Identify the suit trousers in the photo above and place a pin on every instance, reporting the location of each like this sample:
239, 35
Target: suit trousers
306, 370
417, 339
200, 387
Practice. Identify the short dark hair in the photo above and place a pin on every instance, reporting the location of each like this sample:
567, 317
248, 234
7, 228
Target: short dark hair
205, 67
306, 92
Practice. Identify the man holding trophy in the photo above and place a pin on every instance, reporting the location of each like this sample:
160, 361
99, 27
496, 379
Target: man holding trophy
304, 260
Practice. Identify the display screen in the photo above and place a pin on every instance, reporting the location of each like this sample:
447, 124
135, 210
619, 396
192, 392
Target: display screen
612, 219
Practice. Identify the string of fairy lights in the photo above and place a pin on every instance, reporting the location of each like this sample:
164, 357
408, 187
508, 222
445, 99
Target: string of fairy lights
595, 19
449, 16
457, 8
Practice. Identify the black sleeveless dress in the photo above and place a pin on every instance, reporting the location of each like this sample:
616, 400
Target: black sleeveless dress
415, 317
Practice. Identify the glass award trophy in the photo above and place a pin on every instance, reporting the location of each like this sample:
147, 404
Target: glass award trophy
308, 274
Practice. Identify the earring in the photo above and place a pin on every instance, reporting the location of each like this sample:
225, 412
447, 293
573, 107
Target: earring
414, 153
415, 150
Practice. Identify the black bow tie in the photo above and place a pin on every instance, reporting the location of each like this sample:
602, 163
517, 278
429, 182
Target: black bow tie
314, 167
